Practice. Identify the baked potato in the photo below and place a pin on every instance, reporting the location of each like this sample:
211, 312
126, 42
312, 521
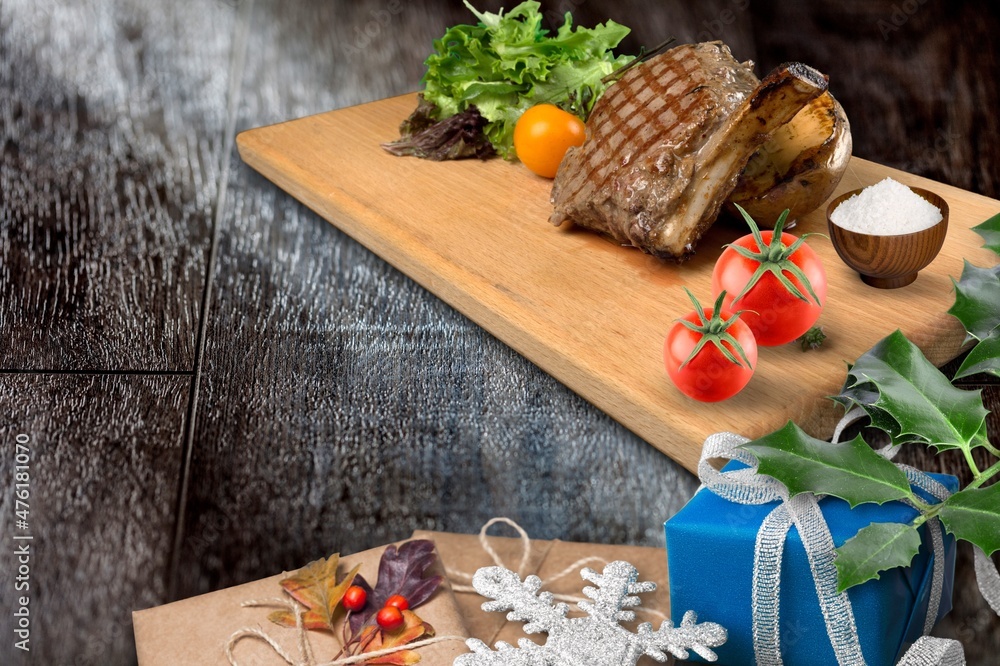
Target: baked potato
800, 165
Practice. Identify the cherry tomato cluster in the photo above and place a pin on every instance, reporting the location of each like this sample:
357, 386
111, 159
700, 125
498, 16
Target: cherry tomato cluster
389, 617
779, 284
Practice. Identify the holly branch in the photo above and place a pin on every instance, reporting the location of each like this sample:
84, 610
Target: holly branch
913, 402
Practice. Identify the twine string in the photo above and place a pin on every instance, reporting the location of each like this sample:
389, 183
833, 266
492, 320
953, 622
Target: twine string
525, 543
359, 658
306, 657
253, 632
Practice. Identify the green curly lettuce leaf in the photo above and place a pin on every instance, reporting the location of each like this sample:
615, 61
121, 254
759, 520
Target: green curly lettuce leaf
508, 62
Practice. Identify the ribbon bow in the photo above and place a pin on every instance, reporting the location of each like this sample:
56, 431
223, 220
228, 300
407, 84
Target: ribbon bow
747, 486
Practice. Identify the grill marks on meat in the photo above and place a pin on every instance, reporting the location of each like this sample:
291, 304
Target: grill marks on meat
666, 144
649, 120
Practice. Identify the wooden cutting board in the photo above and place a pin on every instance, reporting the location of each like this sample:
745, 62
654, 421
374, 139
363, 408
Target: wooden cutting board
590, 313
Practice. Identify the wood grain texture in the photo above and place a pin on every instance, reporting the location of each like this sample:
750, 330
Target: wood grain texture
109, 150
341, 405
383, 410
915, 84
105, 454
590, 313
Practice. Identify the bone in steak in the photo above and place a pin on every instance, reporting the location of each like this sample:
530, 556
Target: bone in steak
666, 144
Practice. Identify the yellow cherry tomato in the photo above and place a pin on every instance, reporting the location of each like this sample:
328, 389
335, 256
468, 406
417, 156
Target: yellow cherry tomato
542, 136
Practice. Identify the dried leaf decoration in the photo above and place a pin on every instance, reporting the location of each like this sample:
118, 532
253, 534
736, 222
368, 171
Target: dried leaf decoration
374, 639
401, 571
315, 586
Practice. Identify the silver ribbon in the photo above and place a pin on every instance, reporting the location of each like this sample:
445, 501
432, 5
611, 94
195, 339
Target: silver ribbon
746, 486
989, 580
930, 651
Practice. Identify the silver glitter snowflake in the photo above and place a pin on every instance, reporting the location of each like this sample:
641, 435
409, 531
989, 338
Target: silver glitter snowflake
596, 640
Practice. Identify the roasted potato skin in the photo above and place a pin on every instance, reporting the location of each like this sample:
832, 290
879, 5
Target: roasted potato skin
799, 167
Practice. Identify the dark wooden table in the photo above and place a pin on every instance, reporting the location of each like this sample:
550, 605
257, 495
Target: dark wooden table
215, 385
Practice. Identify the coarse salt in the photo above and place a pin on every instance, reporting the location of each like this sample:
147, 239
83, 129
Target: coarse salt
887, 208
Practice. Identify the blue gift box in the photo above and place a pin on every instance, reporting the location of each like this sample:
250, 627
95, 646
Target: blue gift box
710, 553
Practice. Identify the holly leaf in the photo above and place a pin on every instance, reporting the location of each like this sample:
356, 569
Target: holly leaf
373, 639
874, 549
315, 586
400, 571
919, 397
983, 358
977, 300
990, 231
850, 470
973, 515
866, 395
855, 393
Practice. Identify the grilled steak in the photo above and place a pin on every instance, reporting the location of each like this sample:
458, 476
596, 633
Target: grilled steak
666, 143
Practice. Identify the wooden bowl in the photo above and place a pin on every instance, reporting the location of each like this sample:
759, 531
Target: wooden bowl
889, 262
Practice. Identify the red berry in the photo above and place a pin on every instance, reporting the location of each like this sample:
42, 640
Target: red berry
355, 598
390, 618
398, 601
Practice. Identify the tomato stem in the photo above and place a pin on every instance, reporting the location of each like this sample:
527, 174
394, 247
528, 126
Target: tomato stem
774, 258
715, 330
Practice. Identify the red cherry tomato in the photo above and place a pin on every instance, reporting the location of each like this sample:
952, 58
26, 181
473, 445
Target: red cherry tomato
542, 136
774, 314
355, 598
398, 601
708, 374
390, 618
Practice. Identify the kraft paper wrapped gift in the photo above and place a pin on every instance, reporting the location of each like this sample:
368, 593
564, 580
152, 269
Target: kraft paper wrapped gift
195, 631
464, 553
711, 544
